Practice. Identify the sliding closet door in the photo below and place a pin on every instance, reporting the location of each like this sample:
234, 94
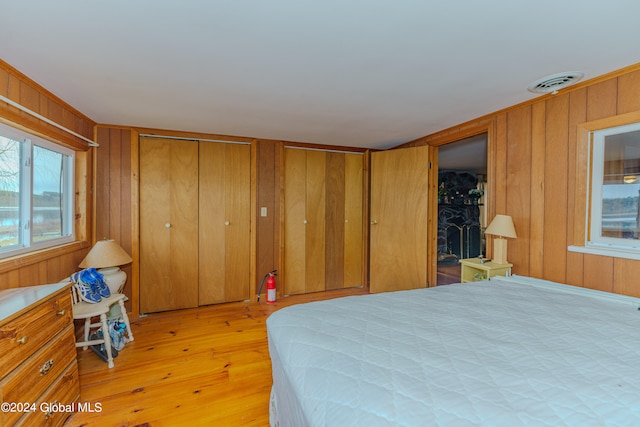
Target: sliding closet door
225, 222
398, 230
168, 224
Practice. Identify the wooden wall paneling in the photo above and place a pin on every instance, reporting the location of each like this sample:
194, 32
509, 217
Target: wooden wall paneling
125, 236
238, 233
499, 181
30, 98
519, 186
10, 279
335, 221
113, 192
84, 196
102, 185
628, 90
43, 272
602, 100
353, 262
267, 226
30, 275
537, 202
134, 296
56, 269
4, 82
625, 277
598, 272
212, 230
115, 187
576, 205
21, 89
294, 187
556, 191
315, 249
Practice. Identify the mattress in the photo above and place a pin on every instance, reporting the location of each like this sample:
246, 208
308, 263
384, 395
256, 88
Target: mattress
506, 352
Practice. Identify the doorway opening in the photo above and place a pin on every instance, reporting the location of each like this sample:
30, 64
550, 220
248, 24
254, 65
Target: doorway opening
462, 186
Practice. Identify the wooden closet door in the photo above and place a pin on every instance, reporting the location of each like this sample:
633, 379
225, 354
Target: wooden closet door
168, 224
295, 199
398, 215
353, 217
323, 209
344, 236
315, 217
304, 206
225, 222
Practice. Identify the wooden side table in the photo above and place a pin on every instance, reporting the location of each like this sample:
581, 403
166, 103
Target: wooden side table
472, 270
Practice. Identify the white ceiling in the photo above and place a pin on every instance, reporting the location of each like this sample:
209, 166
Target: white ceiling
365, 73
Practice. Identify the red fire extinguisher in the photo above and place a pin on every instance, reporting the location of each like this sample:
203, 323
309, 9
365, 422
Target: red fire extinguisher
271, 288
270, 278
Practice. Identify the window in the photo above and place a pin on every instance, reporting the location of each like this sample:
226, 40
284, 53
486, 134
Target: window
36, 193
615, 189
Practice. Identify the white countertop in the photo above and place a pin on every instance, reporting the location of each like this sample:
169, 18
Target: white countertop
14, 301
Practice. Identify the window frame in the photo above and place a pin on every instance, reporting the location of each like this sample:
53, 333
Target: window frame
594, 237
27, 244
579, 236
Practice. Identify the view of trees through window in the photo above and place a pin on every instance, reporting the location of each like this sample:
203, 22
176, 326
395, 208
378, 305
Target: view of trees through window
9, 191
31, 193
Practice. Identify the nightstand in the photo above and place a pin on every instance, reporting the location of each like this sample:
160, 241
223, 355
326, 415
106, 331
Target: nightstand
472, 270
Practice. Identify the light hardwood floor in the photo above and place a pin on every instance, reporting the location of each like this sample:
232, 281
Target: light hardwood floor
207, 366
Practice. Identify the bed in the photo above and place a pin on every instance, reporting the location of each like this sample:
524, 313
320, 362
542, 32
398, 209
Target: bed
506, 352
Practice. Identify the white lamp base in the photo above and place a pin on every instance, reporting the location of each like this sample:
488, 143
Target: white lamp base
115, 280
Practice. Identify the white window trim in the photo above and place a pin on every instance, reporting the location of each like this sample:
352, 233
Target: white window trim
605, 251
604, 247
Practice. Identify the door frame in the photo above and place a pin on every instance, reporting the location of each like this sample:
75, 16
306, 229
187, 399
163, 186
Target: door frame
492, 128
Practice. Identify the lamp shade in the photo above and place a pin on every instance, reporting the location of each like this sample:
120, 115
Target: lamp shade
105, 253
502, 225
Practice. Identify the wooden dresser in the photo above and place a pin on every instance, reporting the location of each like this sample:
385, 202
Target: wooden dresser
38, 367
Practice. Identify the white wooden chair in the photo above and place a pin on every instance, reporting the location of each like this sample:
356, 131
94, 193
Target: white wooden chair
88, 311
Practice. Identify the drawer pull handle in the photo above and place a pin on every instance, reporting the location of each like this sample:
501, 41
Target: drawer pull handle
46, 367
61, 312
22, 340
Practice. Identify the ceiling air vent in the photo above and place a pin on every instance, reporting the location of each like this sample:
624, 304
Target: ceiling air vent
555, 82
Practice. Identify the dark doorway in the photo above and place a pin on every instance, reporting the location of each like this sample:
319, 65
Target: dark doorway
462, 171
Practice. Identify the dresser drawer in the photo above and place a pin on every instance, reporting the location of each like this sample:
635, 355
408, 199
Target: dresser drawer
57, 404
26, 383
24, 335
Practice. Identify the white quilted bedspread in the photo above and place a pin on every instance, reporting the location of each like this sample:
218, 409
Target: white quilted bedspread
484, 354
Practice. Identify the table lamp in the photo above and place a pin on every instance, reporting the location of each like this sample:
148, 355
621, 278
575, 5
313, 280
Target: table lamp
107, 256
501, 227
